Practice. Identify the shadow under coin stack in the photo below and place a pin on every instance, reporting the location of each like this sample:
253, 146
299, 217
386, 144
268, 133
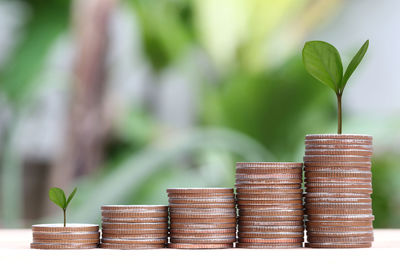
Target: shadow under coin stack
338, 187
202, 218
73, 236
134, 226
270, 202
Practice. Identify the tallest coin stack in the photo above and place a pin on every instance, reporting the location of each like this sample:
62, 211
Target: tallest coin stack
338, 187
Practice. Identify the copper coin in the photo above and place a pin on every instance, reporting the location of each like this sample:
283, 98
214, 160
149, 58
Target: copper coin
202, 225
341, 245
203, 240
71, 227
338, 180
131, 246
272, 176
66, 241
269, 246
269, 235
135, 208
136, 236
339, 152
338, 229
210, 195
345, 217
340, 185
268, 186
339, 136
199, 246
62, 246
275, 201
196, 236
118, 214
134, 225
135, 231
331, 224
65, 236
269, 191
201, 201
336, 195
270, 223
203, 231
338, 200
336, 158
272, 206
327, 211
269, 229
135, 220
337, 169
338, 142
258, 182
199, 190
360, 239
134, 241
276, 240
270, 218
323, 205
269, 164
268, 171
204, 220
326, 164
367, 191
366, 174
248, 212
203, 206
269, 196
341, 234
201, 216
340, 146
202, 211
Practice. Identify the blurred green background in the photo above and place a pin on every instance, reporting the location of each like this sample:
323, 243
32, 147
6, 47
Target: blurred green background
127, 98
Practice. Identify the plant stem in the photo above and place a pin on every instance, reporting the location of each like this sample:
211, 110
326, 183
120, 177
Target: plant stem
65, 218
339, 103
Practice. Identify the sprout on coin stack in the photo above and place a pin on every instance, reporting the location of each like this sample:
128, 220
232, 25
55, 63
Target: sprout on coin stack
64, 236
270, 202
337, 166
134, 226
202, 218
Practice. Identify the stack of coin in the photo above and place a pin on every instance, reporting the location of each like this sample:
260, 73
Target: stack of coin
73, 236
134, 226
202, 218
338, 188
270, 202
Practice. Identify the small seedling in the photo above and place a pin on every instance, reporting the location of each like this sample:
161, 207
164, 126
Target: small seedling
57, 195
322, 61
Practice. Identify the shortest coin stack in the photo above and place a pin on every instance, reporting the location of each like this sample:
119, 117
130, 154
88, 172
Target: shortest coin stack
134, 226
270, 202
72, 236
202, 218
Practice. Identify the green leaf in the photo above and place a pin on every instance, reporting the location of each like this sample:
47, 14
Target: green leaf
322, 61
71, 196
354, 63
58, 197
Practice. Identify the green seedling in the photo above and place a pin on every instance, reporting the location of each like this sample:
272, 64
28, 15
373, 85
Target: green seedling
57, 195
322, 61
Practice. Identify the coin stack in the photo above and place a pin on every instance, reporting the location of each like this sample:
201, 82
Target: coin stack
72, 236
270, 202
134, 226
202, 218
338, 188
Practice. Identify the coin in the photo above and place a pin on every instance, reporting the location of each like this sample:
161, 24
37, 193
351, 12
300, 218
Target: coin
340, 146
135, 220
338, 164
62, 246
269, 164
269, 191
336, 169
65, 236
342, 190
336, 195
187, 225
131, 246
137, 208
203, 236
336, 245
136, 236
341, 234
198, 211
329, 158
118, 214
271, 206
270, 218
268, 186
273, 202
328, 211
71, 227
338, 180
367, 223
134, 241
270, 223
338, 142
337, 152
203, 231
269, 235
267, 196
269, 229
276, 240
202, 216
203, 206
203, 240
338, 200
199, 246
343, 217
365, 174
201, 201
269, 246
204, 220
66, 241
268, 171
338, 229
267, 212
199, 190
203, 195
272, 177
134, 225
135, 231
263, 182
360, 239
339, 136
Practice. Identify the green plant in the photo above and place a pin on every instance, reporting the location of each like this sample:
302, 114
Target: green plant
57, 195
322, 61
